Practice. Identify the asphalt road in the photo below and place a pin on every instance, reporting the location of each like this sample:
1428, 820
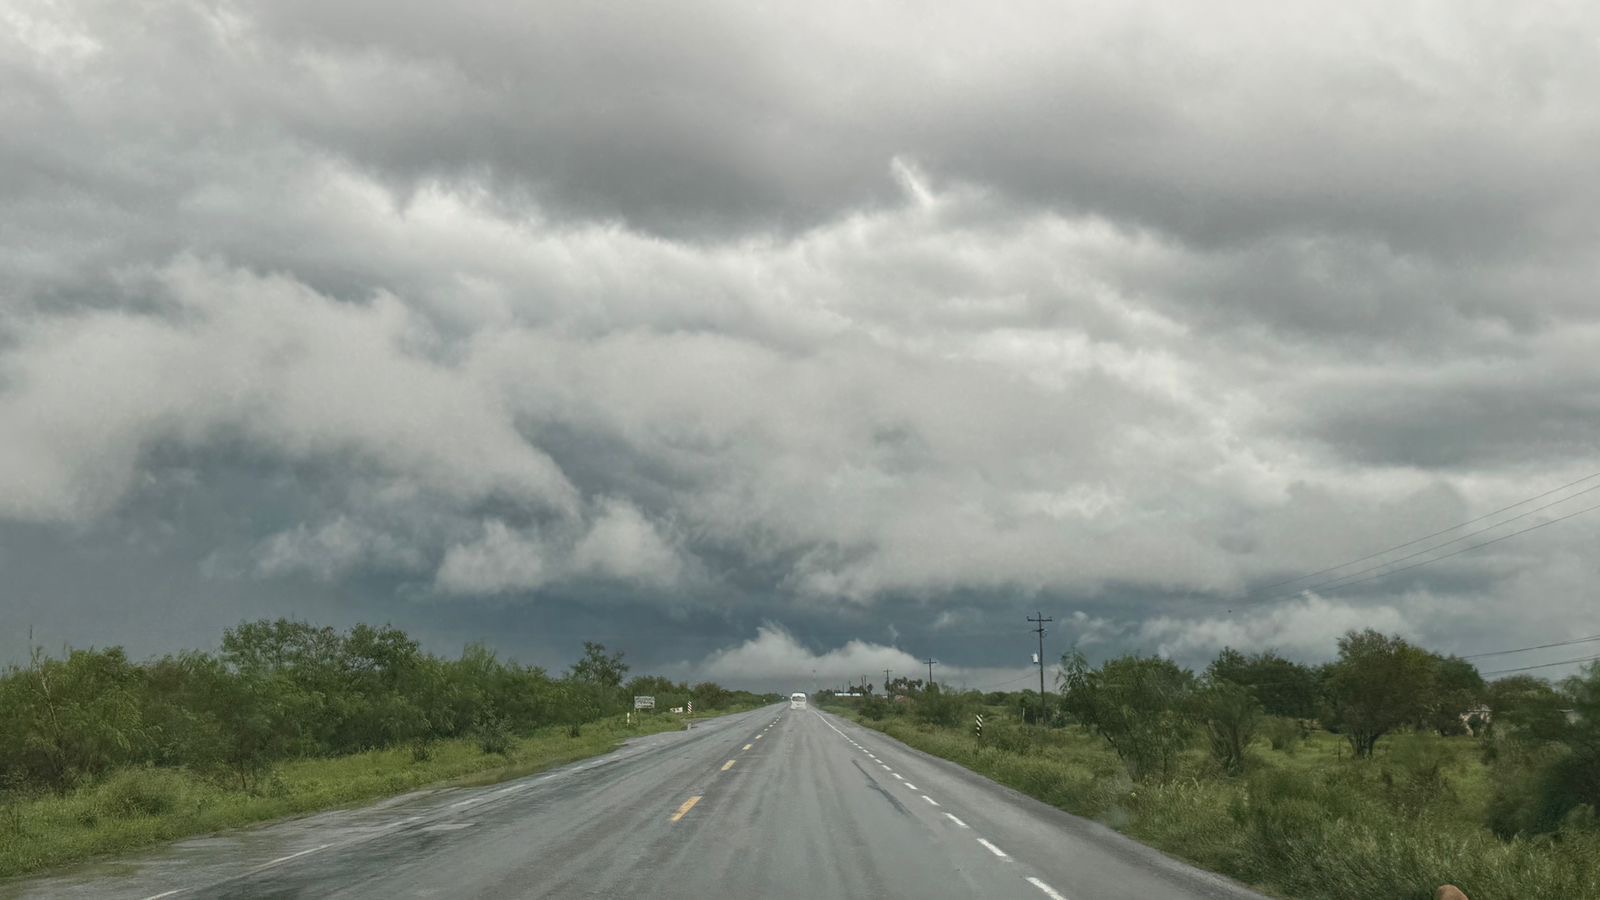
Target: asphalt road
773, 803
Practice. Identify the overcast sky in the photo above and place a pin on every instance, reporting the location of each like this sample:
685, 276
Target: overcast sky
761, 338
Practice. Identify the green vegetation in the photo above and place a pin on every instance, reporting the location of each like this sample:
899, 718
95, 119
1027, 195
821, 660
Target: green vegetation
1379, 793
101, 754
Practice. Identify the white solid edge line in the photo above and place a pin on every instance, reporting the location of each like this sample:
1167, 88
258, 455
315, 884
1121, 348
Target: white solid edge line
1049, 891
956, 820
993, 849
165, 894
467, 802
283, 859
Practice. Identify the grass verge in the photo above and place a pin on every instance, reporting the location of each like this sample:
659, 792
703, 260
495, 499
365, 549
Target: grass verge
141, 807
1312, 823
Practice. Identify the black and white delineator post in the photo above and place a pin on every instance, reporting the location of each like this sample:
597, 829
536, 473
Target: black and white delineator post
979, 726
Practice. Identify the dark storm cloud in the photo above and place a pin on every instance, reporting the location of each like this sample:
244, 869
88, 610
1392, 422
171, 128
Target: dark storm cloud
760, 339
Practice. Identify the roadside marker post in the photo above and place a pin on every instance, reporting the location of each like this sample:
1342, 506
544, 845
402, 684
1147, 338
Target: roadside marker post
979, 726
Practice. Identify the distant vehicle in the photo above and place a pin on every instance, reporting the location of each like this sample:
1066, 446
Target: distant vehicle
797, 700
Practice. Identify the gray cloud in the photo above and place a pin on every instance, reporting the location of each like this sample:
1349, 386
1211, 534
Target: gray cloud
665, 327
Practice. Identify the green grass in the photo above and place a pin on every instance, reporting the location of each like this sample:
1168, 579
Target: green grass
139, 807
1312, 823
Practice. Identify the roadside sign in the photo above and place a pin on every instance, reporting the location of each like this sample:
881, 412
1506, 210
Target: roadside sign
644, 703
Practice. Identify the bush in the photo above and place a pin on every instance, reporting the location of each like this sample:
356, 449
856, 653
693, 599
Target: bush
1414, 774
1231, 715
142, 792
1143, 707
1283, 734
937, 707
875, 708
1011, 737
493, 735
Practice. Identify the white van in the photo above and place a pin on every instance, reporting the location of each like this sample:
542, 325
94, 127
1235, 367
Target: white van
797, 700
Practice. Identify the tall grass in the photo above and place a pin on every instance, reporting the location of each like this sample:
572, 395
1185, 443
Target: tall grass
141, 806
1311, 823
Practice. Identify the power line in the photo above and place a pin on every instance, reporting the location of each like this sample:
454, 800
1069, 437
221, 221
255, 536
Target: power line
1429, 562
1336, 582
1535, 647
1435, 534
1564, 662
991, 687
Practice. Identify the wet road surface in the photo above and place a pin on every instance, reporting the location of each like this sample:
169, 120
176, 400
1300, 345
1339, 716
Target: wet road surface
777, 802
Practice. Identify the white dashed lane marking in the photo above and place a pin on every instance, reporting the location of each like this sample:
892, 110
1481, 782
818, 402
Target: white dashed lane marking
1046, 889
993, 849
1049, 891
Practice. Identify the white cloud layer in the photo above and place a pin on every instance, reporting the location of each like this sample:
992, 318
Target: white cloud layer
775, 656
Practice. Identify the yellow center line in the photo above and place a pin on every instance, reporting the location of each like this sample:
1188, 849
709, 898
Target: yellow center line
727, 765
684, 809
748, 746
760, 736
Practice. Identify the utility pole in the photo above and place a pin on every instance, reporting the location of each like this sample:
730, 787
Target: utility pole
930, 661
886, 691
1039, 619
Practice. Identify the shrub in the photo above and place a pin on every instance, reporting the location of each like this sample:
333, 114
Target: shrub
1012, 737
1283, 734
875, 708
1414, 775
493, 734
1141, 706
937, 707
1231, 715
142, 792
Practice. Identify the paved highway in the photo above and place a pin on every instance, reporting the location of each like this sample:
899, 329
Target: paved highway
772, 803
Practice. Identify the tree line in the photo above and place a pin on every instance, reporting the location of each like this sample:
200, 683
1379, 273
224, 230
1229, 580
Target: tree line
283, 689
1542, 739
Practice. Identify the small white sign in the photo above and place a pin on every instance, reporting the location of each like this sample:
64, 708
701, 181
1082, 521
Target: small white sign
644, 703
